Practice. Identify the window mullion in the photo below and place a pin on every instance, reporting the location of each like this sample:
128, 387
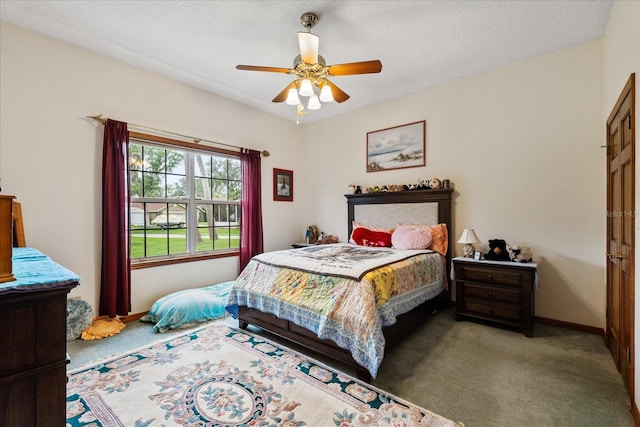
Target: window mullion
192, 229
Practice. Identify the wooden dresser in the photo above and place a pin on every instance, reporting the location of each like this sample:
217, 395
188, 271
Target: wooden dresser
33, 344
496, 292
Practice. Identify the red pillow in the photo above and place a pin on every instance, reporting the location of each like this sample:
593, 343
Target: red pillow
365, 237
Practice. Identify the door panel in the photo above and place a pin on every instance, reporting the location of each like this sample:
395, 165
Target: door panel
621, 234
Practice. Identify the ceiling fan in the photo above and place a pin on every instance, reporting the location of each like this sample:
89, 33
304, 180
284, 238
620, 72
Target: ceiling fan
312, 73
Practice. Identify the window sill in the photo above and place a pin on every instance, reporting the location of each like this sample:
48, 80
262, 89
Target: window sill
179, 259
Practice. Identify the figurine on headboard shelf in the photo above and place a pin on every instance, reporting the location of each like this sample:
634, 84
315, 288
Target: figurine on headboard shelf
497, 251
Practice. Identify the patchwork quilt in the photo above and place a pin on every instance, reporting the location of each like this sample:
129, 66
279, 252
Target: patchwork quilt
340, 307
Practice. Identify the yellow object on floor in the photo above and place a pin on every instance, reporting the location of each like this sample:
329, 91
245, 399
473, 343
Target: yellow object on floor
103, 327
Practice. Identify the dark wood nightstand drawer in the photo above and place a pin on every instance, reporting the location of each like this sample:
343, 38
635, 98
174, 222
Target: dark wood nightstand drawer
499, 311
498, 292
492, 293
490, 274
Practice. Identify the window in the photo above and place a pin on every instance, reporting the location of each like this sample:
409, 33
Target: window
184, 201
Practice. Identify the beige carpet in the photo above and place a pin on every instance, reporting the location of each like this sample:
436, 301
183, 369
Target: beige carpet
481, 375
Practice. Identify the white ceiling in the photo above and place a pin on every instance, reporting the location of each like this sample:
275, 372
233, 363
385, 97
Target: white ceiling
420, 43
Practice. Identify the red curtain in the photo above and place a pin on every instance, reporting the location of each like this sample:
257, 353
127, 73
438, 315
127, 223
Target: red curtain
115, 285
251, 220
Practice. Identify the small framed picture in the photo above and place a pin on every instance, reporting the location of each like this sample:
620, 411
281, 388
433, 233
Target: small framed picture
476, 255
282, 185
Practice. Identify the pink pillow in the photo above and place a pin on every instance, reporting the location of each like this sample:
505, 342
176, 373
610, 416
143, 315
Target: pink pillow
366, 237
411, 238
439, 235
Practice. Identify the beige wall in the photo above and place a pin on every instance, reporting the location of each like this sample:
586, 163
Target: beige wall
621, 57
521, 147
50, 155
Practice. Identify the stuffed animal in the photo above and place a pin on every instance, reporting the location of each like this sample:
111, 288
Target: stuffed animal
314, 234
435, 183
520, 253
497, 251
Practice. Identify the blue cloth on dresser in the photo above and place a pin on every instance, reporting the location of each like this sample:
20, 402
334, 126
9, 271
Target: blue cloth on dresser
34, 270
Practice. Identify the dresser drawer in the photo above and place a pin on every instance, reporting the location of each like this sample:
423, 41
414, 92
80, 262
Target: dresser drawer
490, 275
492, 293
499, 311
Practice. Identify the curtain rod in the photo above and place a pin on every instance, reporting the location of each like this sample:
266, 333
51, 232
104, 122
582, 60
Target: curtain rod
100, 118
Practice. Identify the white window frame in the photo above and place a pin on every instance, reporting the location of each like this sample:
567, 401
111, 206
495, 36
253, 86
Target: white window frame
191, 201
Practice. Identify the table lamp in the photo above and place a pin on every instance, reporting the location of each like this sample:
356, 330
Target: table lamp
469, 238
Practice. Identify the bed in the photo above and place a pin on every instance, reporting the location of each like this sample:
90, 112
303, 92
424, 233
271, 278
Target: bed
260, 298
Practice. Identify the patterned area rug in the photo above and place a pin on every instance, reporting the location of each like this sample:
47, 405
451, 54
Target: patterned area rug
221, 376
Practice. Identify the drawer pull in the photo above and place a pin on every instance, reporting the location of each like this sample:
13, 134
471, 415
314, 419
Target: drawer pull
489, 277
490, 293
490, 310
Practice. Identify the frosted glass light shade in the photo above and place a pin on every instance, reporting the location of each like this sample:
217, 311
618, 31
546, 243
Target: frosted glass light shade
306, 88
314, 103
292, 96
309, 44
326, 95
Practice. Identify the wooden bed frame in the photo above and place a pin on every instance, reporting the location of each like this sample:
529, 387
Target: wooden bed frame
440, 202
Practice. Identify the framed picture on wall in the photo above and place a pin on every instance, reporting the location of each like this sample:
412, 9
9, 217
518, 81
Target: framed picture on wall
282, 185
397, 147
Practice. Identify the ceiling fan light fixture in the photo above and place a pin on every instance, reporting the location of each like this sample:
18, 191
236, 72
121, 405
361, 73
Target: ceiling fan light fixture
292, 96
326, 95
309, 44
314, 102
306, 88
311, 72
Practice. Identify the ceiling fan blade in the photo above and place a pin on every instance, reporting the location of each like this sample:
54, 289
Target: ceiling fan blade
259, 68
282, 96
365, 67
309, 44
338, 94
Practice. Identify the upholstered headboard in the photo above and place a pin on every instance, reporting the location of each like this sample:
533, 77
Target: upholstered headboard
385, 210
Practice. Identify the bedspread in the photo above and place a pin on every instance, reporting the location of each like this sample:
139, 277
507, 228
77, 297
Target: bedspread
349, 312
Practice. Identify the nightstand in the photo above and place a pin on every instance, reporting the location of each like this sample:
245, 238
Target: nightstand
301, 245
499, 292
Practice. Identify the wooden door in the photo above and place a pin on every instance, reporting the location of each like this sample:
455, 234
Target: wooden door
620, 233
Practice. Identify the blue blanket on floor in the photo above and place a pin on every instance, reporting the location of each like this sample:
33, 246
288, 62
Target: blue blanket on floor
184, 308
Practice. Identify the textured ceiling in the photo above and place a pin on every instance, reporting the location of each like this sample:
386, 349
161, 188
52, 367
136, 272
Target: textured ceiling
420, 43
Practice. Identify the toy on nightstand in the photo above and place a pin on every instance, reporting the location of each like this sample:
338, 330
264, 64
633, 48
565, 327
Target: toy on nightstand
497, 251
520, 253
313, 234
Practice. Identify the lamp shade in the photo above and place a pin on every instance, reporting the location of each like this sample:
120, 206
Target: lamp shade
314, 102
469, 237
306, 88
326, 95
292, 96
309, 44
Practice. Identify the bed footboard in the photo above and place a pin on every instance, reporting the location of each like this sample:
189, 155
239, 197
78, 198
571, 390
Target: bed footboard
286, 329
300, 336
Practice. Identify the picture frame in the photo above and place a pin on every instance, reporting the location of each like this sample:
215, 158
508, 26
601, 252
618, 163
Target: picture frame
476, 255
397, 147
282, 185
